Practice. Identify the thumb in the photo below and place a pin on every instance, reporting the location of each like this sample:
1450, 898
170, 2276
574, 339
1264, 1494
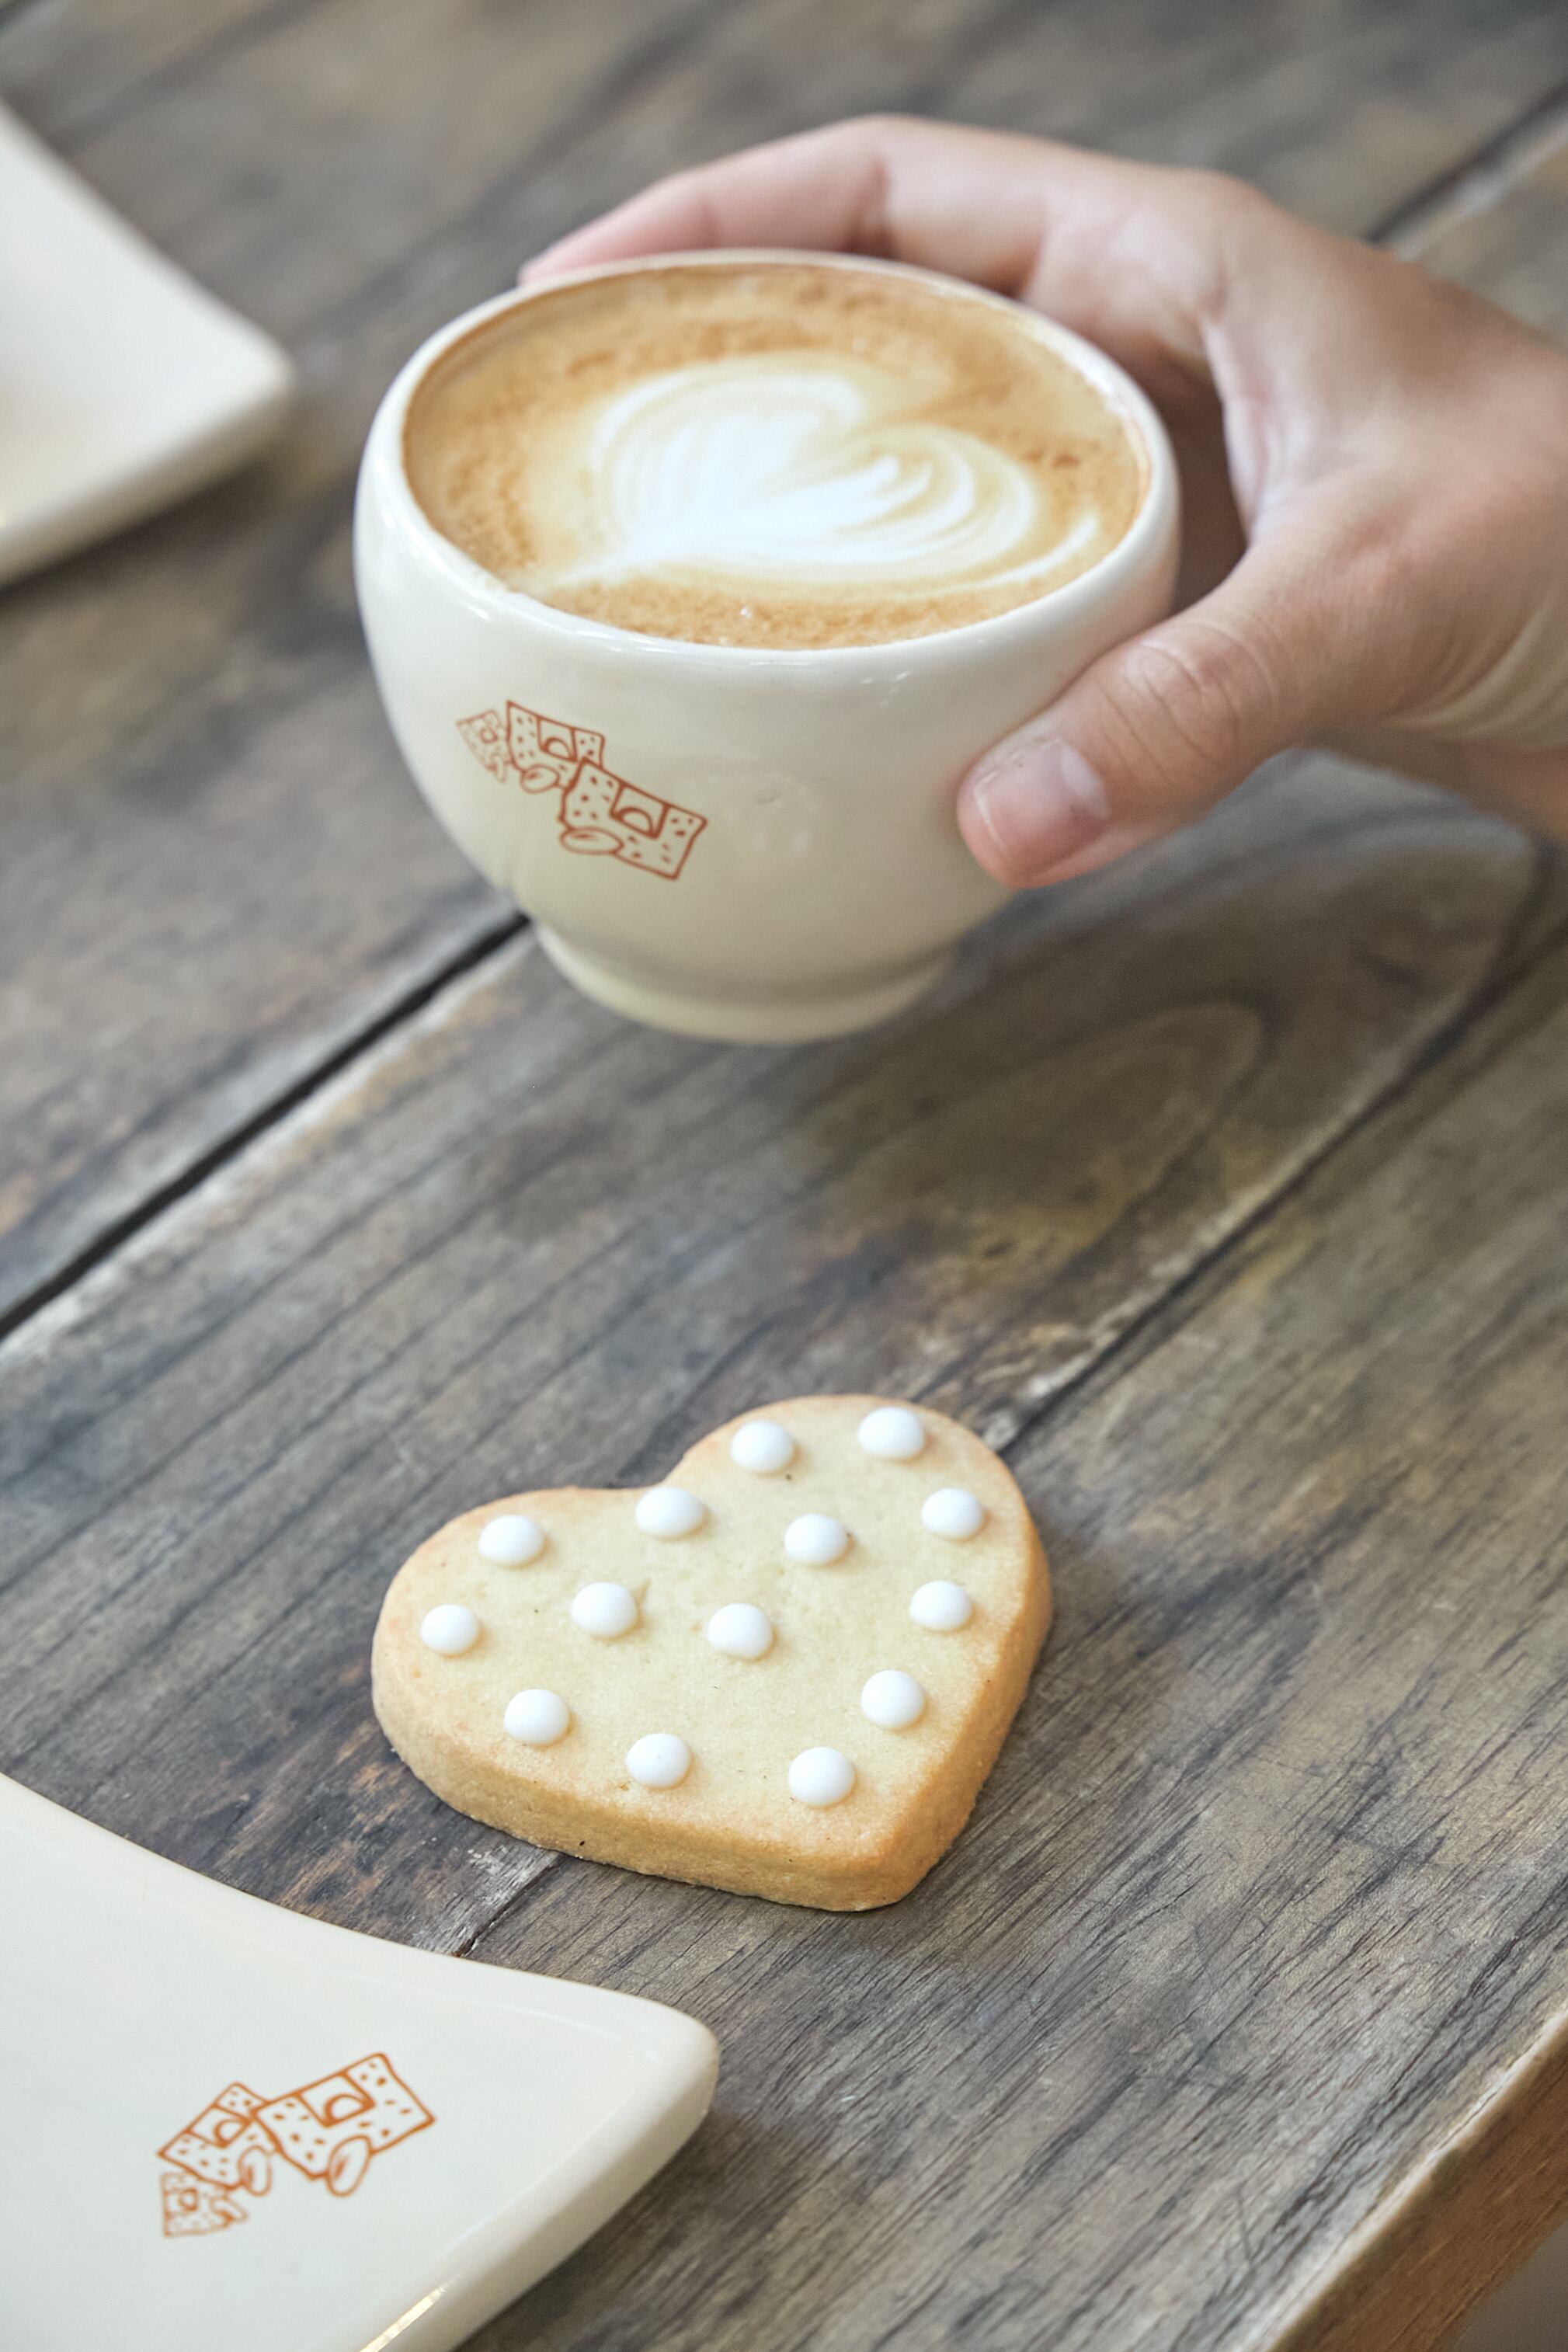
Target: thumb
1158, 730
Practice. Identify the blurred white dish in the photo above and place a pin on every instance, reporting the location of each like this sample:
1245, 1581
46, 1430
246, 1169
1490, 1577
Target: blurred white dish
122, 383
408, 2140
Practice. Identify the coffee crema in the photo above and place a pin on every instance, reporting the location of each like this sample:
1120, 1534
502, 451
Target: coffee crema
779, 454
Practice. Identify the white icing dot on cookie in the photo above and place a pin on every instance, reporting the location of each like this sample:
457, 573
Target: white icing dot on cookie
538, 1717
892, 1700
740, 1630
449, 1628
816, 1540
606, 1610
941, 1607
893, 1433
821, 1776
669, 1511
659, 1760
762, 1447
511, 1540
952, 1512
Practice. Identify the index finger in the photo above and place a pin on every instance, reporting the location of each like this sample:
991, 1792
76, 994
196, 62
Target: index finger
1095, 242
850, 188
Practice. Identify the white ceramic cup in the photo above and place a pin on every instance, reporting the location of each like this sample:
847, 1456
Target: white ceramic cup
733, 841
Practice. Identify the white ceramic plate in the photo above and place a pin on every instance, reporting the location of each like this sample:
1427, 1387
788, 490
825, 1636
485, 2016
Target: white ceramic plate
225, 2125
122, 385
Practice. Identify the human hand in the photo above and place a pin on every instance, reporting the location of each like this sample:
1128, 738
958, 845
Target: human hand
1374, 470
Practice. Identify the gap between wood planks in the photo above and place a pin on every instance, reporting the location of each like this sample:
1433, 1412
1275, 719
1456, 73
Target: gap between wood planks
1473, 184
1476, 182
395, 1018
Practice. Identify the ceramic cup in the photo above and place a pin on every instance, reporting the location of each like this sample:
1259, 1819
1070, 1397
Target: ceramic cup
733, 841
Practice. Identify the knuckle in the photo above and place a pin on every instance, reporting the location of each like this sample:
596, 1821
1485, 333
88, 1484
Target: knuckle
1191, 698
1232, 231
1220, 201
1205, 185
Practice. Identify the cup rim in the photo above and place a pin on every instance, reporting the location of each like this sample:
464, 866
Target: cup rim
1139, 544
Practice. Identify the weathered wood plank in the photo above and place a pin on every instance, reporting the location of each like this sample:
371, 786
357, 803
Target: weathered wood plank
528, 1242
1270, 1879
1343, 115
1260, 1940
216, 878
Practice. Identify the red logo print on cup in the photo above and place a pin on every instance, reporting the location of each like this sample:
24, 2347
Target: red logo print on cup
600, 813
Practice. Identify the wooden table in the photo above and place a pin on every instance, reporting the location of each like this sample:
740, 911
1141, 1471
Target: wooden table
1226, 1192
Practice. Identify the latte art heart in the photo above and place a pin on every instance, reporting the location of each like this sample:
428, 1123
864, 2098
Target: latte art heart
775, 453
808, 471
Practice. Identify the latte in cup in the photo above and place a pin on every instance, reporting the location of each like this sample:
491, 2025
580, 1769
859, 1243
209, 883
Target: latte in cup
836, 525
775, 454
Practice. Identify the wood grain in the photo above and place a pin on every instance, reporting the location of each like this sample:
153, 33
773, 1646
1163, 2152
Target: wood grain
216, 879
1226, 1191
1239, 2016
1269, 1886
528, 1244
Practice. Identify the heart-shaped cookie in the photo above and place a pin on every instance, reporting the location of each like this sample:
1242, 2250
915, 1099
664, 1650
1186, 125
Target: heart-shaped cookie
786, 1671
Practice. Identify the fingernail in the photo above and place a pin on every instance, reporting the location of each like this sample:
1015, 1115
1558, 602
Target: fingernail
1040, 802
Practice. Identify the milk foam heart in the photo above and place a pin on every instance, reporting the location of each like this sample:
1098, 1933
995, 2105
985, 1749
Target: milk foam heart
789, 1700
807, 470
780, 454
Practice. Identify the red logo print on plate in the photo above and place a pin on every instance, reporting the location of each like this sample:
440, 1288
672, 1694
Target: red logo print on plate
329, 2130
600, 813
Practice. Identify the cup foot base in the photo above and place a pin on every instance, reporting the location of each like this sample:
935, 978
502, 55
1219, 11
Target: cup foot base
782, 1020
